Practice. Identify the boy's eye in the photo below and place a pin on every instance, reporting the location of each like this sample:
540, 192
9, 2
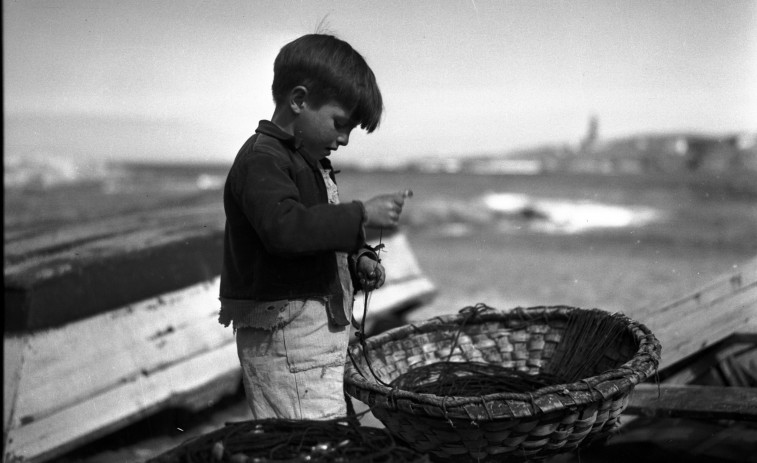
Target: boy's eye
343, 125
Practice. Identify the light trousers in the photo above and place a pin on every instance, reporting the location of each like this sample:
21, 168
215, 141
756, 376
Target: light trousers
295, 371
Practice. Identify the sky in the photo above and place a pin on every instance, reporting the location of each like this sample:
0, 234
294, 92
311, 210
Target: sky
189, 80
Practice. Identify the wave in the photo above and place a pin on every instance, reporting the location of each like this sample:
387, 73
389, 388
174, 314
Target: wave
45, 171
511, 212
566, 216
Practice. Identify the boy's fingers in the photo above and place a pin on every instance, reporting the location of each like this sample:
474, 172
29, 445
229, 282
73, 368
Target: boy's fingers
400, 196
399, 199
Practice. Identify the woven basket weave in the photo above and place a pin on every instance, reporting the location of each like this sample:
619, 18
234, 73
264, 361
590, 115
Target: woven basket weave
501, 426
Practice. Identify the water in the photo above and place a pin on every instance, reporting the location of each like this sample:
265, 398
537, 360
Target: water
608, 241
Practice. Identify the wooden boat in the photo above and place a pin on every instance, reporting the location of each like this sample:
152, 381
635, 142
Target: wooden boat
112, 319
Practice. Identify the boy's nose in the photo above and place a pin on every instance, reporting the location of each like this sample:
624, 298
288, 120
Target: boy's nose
343, 139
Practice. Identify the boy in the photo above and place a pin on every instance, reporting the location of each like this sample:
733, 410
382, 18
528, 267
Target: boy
293, 255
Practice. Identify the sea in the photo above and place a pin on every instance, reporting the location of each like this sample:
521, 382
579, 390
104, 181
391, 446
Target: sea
583, 239
616, 242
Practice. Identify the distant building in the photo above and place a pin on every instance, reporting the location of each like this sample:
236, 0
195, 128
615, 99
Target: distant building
503, 166
438, 164
592, 134
666, 153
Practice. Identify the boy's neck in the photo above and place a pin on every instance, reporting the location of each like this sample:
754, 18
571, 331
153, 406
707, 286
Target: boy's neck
284, 119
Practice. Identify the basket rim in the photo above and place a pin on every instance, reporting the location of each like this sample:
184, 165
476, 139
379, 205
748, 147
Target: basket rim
618, 380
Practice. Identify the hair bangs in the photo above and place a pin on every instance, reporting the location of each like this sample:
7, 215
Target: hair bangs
370, 104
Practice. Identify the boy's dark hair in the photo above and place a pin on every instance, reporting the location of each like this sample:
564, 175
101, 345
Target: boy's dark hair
331, 70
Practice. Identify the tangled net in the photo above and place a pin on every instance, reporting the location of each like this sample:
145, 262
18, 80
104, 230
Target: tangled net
470, 379
277, 440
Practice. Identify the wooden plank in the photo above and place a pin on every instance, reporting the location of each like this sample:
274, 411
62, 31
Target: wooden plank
721, 287
13, 360
703, 362
47, 438
691, 334
101, 240
83, 272
698, 309
743, 337
706, 316
102, 286
48, 242
66, 365
734, 373
699, 402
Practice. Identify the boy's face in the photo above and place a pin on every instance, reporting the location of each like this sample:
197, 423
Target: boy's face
324, 129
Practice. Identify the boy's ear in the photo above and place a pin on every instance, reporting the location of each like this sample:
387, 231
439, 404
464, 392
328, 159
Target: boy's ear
297, 98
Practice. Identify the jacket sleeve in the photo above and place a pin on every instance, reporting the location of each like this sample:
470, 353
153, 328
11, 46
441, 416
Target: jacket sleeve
271, 202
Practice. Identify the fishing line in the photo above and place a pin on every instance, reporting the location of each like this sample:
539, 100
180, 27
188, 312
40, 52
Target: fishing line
360, 334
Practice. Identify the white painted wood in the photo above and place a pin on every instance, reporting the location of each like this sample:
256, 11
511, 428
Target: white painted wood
53, 435
722, 287
397, 258
68, 364
693, 333
690, 323
13, 359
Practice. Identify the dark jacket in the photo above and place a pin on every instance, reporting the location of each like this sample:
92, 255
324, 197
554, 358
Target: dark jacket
281, 234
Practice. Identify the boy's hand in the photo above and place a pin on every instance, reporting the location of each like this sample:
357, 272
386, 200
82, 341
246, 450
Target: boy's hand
370, 273
385, 210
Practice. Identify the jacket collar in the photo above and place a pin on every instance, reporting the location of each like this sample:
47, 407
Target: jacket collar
293, 142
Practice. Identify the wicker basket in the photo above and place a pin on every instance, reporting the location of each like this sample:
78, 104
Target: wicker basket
501, 426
